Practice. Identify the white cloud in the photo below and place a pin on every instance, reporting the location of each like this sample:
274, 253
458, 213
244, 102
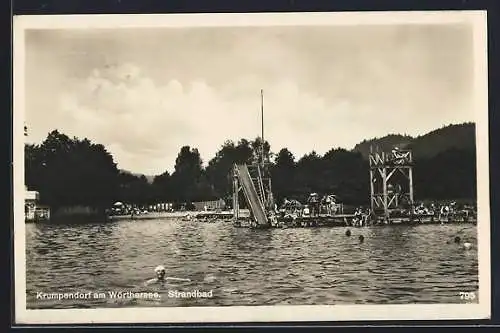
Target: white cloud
323, 88
144, 124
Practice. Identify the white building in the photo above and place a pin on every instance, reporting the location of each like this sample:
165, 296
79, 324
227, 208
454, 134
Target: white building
33, 211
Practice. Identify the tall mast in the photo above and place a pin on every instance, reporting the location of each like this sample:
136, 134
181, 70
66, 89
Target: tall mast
262, 125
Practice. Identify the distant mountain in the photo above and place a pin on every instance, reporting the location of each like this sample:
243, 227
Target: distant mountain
148, 177
461, 136
385, 143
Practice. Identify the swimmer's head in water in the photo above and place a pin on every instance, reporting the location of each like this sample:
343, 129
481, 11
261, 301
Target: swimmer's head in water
160, 272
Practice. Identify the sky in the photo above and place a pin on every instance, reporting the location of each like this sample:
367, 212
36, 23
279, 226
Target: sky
145, 93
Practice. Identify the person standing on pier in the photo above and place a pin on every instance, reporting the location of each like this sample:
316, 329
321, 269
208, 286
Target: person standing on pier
269, 200
328, 204
358, 217
314, 204
444, 212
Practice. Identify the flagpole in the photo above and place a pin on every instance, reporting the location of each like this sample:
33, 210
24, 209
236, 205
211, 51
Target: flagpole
262, 124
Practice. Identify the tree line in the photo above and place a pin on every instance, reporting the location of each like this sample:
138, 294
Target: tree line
72, 171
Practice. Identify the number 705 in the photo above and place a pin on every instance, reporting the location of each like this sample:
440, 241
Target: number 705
469, 296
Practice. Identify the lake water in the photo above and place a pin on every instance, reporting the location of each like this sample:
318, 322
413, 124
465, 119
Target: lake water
302, 266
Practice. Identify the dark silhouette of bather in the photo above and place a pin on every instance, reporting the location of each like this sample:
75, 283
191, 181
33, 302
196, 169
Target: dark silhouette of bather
465, 245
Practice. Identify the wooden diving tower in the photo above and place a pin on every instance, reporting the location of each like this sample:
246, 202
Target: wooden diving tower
391, 182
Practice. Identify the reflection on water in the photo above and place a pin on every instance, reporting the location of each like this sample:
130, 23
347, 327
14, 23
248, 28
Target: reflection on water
394, 264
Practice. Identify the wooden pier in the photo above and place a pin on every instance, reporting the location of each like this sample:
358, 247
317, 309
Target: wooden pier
317, 221
348, 220
223, 215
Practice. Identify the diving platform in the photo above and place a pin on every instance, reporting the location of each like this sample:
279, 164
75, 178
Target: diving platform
391, 181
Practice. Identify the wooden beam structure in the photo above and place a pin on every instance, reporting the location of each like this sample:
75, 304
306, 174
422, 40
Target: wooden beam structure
386, 192
258, 181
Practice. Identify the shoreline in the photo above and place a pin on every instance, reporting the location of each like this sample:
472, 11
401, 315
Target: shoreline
173, 215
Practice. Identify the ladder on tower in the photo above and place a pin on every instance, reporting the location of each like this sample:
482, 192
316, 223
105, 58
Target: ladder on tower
256, 176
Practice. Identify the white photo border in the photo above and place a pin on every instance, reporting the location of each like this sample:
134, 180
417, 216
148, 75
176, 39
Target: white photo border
481, 310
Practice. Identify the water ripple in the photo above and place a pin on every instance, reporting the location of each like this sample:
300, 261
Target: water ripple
396, 264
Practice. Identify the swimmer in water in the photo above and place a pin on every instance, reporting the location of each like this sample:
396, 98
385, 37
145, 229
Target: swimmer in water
161, 278
465, 245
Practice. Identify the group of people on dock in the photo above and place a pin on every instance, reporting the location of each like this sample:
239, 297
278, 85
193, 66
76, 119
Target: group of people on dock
120, 208
315, 206
327, 205
445, 210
